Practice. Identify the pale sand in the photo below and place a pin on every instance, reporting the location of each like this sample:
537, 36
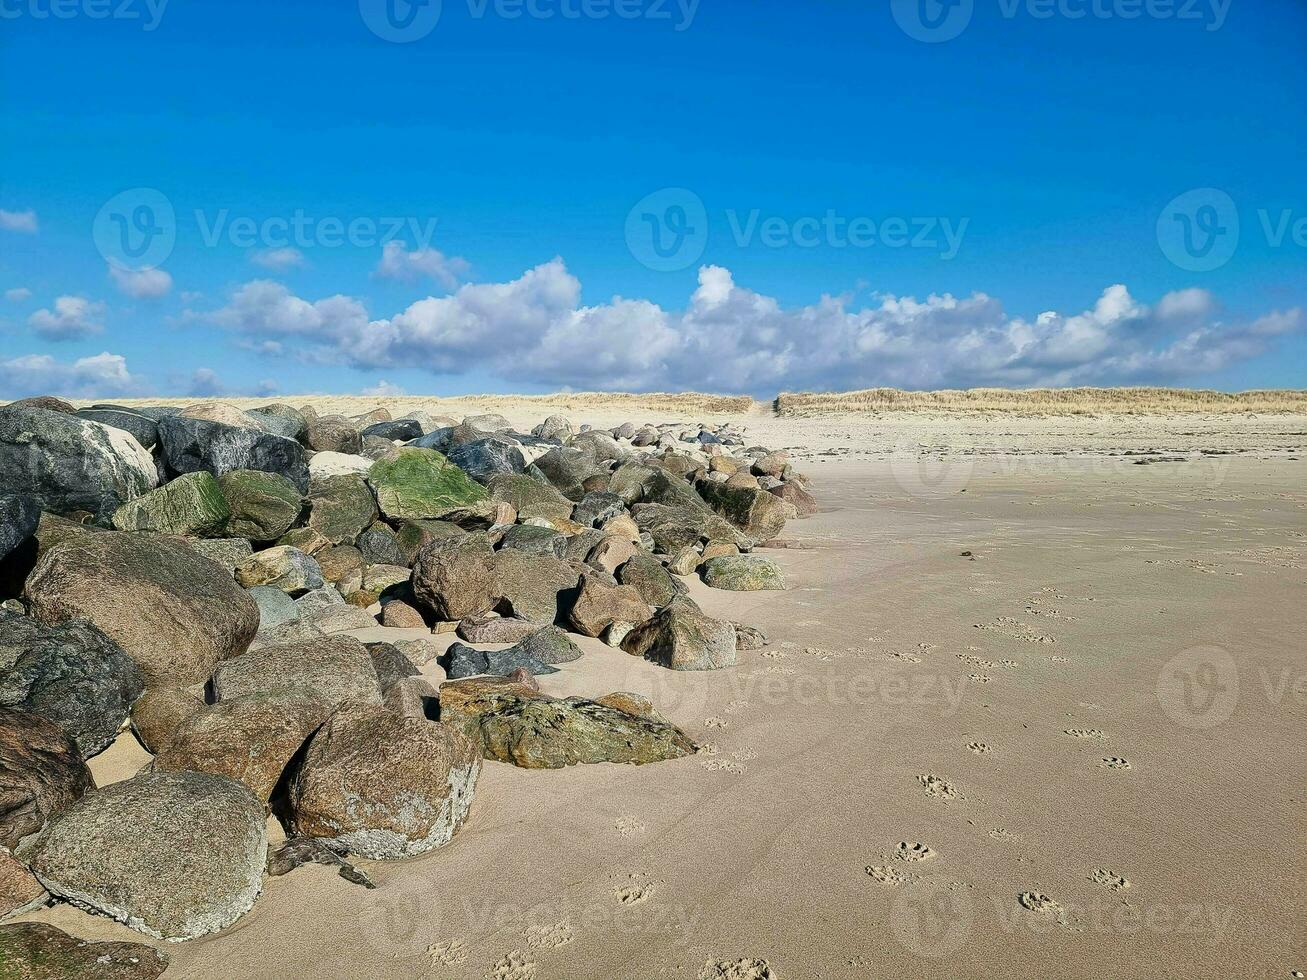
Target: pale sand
901, 672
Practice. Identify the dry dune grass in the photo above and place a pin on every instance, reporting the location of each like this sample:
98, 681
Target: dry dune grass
1045, 401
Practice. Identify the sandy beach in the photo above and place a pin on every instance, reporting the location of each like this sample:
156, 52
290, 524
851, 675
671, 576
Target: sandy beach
1029, 709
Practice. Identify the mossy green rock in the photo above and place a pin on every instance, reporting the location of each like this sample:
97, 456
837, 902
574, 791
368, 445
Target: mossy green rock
341, 507
416, 484
190, 505
742, 573
264, 506
39, 951
514, 724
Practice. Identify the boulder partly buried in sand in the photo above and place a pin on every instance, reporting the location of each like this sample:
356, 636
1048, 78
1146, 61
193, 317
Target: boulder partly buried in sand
742, 573
174, 612
172, 855
682, 637
381, 785
514, 723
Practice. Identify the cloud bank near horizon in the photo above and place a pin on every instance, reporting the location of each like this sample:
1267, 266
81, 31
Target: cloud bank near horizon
728, 338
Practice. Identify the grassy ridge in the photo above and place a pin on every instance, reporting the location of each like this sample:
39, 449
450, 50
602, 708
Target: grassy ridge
1044, 401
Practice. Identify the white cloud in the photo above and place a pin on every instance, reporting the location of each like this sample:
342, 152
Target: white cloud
278, 259
18, 295
728, 338
141, 283
100, 376
382, 389
73, 317
24, 221
424, 262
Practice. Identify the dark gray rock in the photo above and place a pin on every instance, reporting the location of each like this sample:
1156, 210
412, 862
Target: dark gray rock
19, 516
401, 429
464, 661
390, 663
281, 420
71, 464
72, 674
485, 459
190, 445
379, 546
142, 428
567, 468
596, 508
535, 540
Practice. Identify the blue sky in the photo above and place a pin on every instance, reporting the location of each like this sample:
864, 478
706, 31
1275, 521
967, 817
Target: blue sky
835, 202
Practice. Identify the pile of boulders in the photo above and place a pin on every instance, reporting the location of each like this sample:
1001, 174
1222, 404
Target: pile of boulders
199, 574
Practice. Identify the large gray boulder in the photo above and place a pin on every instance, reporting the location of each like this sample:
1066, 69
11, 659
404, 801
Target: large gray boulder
189, 445
381, 785
327, 669
42, 774
142, 428
341, 507
485, 459
681, 637
71, 464
173, 855
174, 612
71, 674
264, 506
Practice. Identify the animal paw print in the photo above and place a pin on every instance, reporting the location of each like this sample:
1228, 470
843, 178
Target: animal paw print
913, 852
980, 678
886, 875
449, 953
721, 765
629, 826
733, 706
1109, 880
1087, 733
998, 833
938, 788
1113, 762
715, 722
513, 966
980, 748
778, 669
1042, 905
636, 893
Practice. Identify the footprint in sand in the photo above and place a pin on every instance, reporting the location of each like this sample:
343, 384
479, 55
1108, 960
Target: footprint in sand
971, 660
778, 669
633, 894
737, 970
1017, 630
513, 966
715, 722
906, 658
1059, 660
886, 875
820, 655
980, 748
998, 833
721, 765
979, 678
1087, 733
1109, 880
629, 826
913, 852
775, 654
1042, 905
734, 706
938, 788
449, 953
1113, 762
549, 937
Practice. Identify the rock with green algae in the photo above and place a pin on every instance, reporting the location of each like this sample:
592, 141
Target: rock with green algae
421, 484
